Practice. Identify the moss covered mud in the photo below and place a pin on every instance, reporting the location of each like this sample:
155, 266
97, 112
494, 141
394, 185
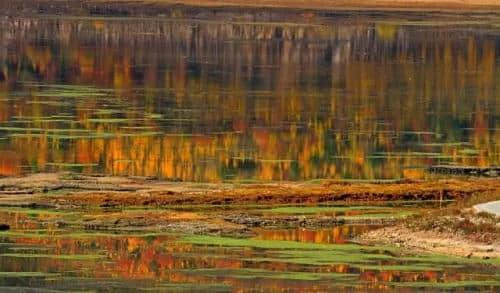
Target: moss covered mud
95, 202
119, 203
66, 189
84, 232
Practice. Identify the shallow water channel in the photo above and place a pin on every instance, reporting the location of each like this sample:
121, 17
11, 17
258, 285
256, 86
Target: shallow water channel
50, 256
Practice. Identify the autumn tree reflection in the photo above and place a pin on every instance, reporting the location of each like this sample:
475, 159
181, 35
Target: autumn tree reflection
208, 101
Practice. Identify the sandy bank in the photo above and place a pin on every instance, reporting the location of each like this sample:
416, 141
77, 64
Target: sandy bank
456, 229
432, 241
489, 207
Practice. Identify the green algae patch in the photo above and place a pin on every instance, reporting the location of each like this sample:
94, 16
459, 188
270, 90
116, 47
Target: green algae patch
405, 268
379, 258
140, 134
54, 256
448, 285
36, 212
39, 211
71, 165
28, 275
76, 93
44, 130
113, 120
265, 274
320, 258
304, 253
367, 213
75, 234
377, 216
397, 155
264, 244
304, 210
450, 260
33, 249
189, 287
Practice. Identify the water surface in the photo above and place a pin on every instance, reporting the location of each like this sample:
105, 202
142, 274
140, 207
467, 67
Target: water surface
217, 101
54, 257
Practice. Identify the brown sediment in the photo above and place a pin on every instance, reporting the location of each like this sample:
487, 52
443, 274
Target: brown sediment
161, 221
81, 190
281, 193
125, 203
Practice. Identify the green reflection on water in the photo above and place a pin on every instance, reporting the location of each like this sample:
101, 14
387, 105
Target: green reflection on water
361, 100
67, 259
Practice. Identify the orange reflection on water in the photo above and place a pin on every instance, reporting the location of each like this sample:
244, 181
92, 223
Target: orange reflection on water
232, 101
161, 258
339, 235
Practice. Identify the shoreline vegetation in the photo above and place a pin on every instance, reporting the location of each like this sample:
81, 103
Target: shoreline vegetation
148, 204
190, 8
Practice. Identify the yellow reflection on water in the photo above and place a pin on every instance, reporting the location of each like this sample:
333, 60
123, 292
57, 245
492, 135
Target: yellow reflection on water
227, 101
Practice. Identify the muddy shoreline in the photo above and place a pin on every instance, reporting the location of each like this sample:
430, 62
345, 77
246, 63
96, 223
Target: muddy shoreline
65, 189
145, 204
458, 229
431, 241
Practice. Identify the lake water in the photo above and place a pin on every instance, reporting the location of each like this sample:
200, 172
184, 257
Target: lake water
210, 101
242, 99
39, 254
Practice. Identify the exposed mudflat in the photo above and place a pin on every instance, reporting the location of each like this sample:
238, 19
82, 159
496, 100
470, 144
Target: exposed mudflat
70, 190
94, 202
132, 204
457, 229
432, 241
